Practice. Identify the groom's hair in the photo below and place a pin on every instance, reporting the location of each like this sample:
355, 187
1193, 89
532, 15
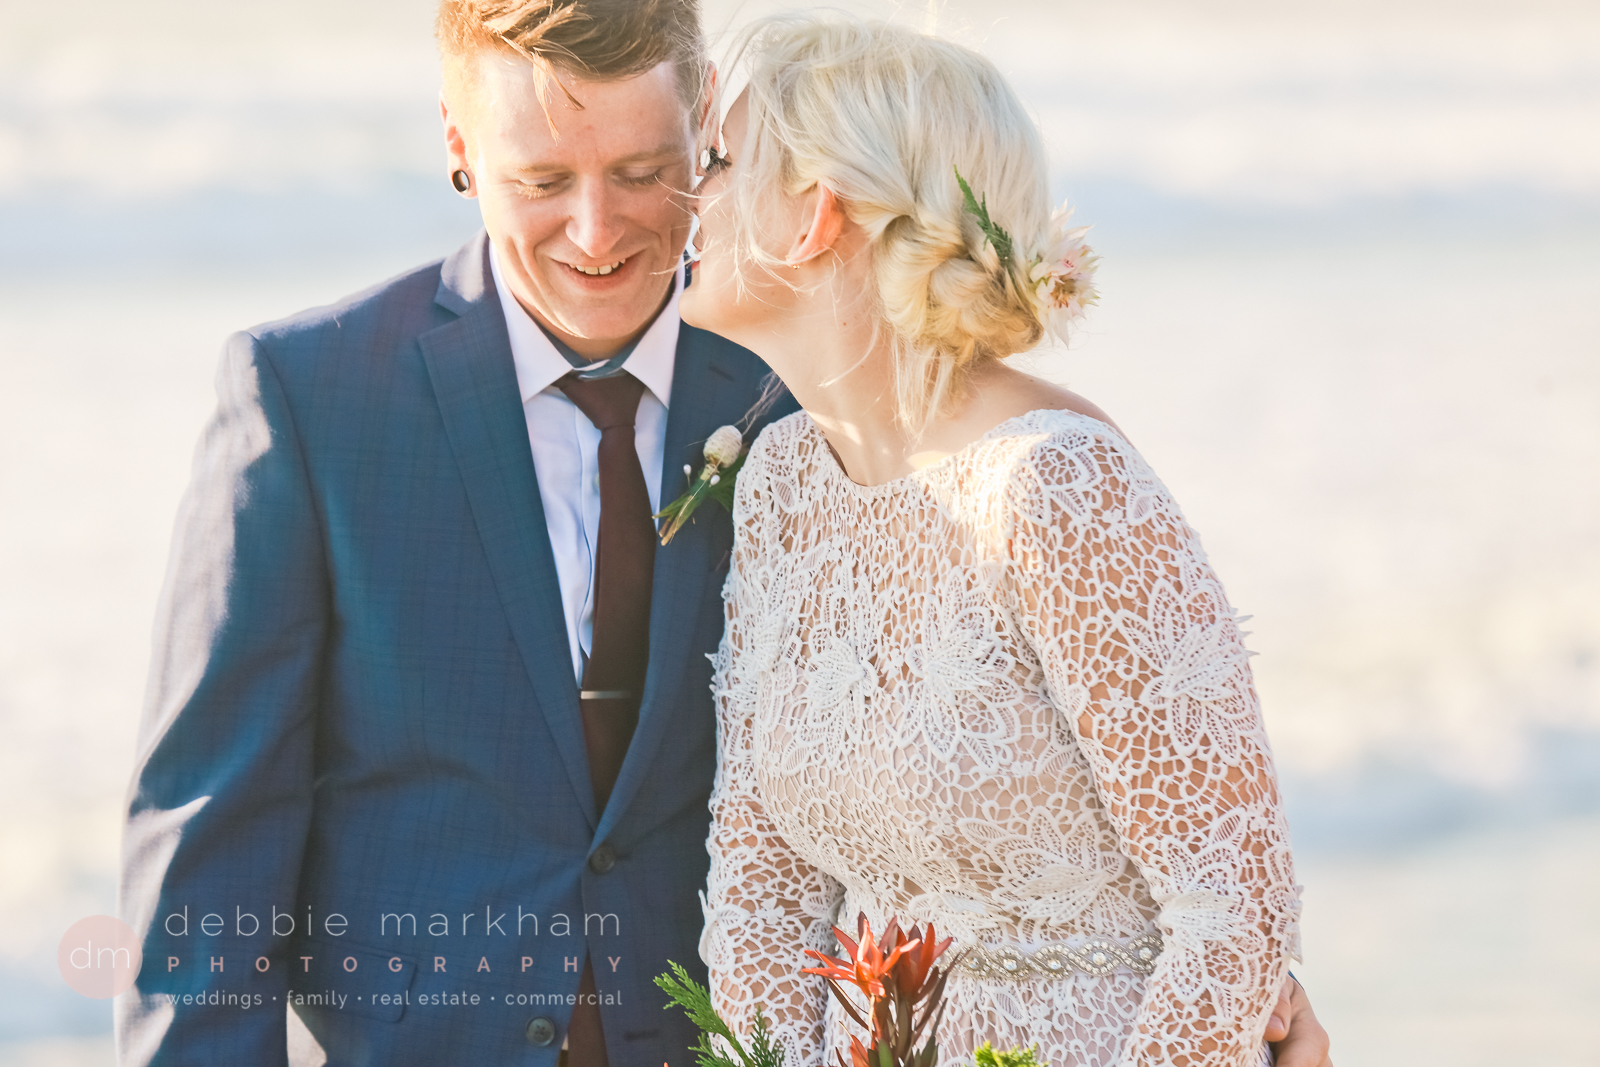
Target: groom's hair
599, 39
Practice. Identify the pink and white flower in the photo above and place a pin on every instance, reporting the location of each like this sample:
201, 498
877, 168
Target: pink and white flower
1063, 276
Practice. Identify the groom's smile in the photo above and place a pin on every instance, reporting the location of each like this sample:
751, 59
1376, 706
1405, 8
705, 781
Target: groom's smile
582, 185
603, 277
597, 271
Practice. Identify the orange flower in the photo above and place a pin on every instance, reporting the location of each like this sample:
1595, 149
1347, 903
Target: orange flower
904, 991
869, 964
914, 968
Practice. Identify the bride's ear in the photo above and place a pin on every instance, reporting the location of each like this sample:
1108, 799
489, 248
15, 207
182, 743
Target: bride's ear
708, 107
822, 230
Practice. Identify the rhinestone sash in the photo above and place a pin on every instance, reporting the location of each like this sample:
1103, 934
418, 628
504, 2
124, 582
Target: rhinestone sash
1095, 956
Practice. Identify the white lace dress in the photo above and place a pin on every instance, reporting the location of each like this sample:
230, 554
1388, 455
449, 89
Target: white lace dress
1005, 694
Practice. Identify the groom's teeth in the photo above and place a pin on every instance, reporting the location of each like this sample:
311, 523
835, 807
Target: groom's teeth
594, 271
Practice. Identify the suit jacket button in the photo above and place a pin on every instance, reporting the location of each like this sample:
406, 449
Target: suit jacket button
541, 1031
604, 858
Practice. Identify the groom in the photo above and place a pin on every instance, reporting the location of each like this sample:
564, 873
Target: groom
429, 740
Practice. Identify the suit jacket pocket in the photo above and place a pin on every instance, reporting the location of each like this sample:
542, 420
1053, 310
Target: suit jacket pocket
337, 975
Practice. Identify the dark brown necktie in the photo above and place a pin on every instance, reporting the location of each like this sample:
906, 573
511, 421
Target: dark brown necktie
619, 649
624, 565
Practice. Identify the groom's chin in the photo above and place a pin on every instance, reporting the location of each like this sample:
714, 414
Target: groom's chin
619, 310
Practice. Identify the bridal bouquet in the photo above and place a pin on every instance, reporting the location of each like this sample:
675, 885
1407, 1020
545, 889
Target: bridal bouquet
894, 974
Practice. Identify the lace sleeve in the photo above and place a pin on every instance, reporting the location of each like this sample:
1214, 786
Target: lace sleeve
764, 905
1145, 663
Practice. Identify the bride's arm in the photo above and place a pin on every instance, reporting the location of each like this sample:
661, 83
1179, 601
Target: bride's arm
764, 904
1144, 661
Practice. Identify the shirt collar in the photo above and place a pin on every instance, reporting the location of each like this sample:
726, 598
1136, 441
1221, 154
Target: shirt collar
539, 365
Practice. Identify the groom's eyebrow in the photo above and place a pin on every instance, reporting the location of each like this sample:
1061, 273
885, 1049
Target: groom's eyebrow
665, 150
661, 151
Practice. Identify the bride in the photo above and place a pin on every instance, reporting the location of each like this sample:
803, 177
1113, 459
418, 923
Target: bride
977, 670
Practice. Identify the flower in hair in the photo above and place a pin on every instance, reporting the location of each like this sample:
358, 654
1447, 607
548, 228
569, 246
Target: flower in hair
1064, 275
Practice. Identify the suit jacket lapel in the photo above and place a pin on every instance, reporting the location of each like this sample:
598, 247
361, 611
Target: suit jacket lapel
475, 382
706, 393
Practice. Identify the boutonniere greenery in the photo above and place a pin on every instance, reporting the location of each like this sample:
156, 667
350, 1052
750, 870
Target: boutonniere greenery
725, 454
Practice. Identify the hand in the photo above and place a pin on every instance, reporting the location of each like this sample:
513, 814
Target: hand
1297, 1039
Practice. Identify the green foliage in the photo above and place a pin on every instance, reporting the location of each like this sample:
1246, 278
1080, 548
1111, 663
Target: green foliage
986, 1056
993, 231
722, 492
695, 999
764, 1048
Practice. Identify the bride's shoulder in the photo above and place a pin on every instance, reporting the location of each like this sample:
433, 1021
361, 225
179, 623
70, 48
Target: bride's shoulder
1058, 445
1019, 394
1041, 418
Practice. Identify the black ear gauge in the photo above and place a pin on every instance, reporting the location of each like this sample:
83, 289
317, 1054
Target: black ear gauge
461, 180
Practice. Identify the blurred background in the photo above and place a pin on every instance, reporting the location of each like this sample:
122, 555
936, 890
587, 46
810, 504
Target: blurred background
1350, 311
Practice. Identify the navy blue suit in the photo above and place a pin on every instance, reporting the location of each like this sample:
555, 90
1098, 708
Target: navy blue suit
362, 714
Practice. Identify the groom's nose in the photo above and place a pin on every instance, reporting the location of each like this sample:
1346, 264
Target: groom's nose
596, 224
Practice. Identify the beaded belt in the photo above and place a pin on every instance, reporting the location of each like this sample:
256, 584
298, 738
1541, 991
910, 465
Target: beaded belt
1094, 956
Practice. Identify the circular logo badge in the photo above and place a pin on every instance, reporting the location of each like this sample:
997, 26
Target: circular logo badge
99, 956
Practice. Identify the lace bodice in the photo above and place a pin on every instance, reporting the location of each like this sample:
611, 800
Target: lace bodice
1007, 695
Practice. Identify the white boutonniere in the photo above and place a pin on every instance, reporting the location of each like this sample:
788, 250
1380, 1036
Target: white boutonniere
725, 454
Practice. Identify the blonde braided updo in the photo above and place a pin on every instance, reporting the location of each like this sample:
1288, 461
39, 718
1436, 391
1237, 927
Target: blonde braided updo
884, 117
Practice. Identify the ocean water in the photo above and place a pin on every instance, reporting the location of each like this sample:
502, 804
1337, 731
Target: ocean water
1351, 303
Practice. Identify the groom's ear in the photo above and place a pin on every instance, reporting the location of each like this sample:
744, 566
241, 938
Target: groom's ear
822, 230
455, 141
